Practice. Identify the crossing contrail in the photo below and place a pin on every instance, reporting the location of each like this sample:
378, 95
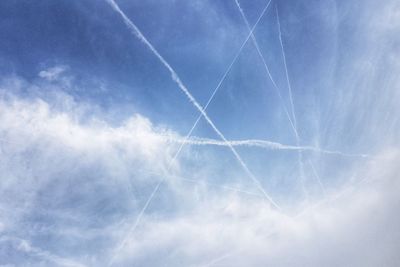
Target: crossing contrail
180, 84
255, 43
293, 122
135, 31
251, 30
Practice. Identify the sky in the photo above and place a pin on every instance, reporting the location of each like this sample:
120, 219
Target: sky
199, 133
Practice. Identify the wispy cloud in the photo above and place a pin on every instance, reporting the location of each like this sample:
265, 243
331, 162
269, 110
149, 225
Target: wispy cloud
42, 257
329, 227
52, 73
213, 226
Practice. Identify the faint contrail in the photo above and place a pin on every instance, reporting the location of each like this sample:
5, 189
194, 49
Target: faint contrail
141, 213
135, 31
232, 252
300, 155
133, 228
318, 178
221, 258
224, 187
286, 71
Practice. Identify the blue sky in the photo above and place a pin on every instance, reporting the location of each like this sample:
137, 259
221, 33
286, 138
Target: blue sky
297, 151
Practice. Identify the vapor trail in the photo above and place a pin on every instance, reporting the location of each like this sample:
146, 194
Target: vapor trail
133, 228
286, 70
141, 213
135, 31
318, 178
300, 155
198, 141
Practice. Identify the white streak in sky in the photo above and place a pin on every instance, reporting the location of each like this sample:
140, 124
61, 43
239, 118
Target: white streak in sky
198, 141
133, 228
317, 177
286, 71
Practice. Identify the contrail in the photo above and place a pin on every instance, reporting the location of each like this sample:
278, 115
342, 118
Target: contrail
135, 31
198, 141
141, 213
318, 178
300, 155
133, 228
250, 143
286, 71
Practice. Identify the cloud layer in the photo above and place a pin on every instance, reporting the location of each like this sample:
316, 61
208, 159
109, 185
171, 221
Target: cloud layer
72, 185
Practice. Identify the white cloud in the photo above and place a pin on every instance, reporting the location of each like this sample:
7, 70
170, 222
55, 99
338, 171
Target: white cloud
357, 226
58, 172
73, 184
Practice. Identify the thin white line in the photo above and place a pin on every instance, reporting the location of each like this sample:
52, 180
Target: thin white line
198, 141
318, 178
